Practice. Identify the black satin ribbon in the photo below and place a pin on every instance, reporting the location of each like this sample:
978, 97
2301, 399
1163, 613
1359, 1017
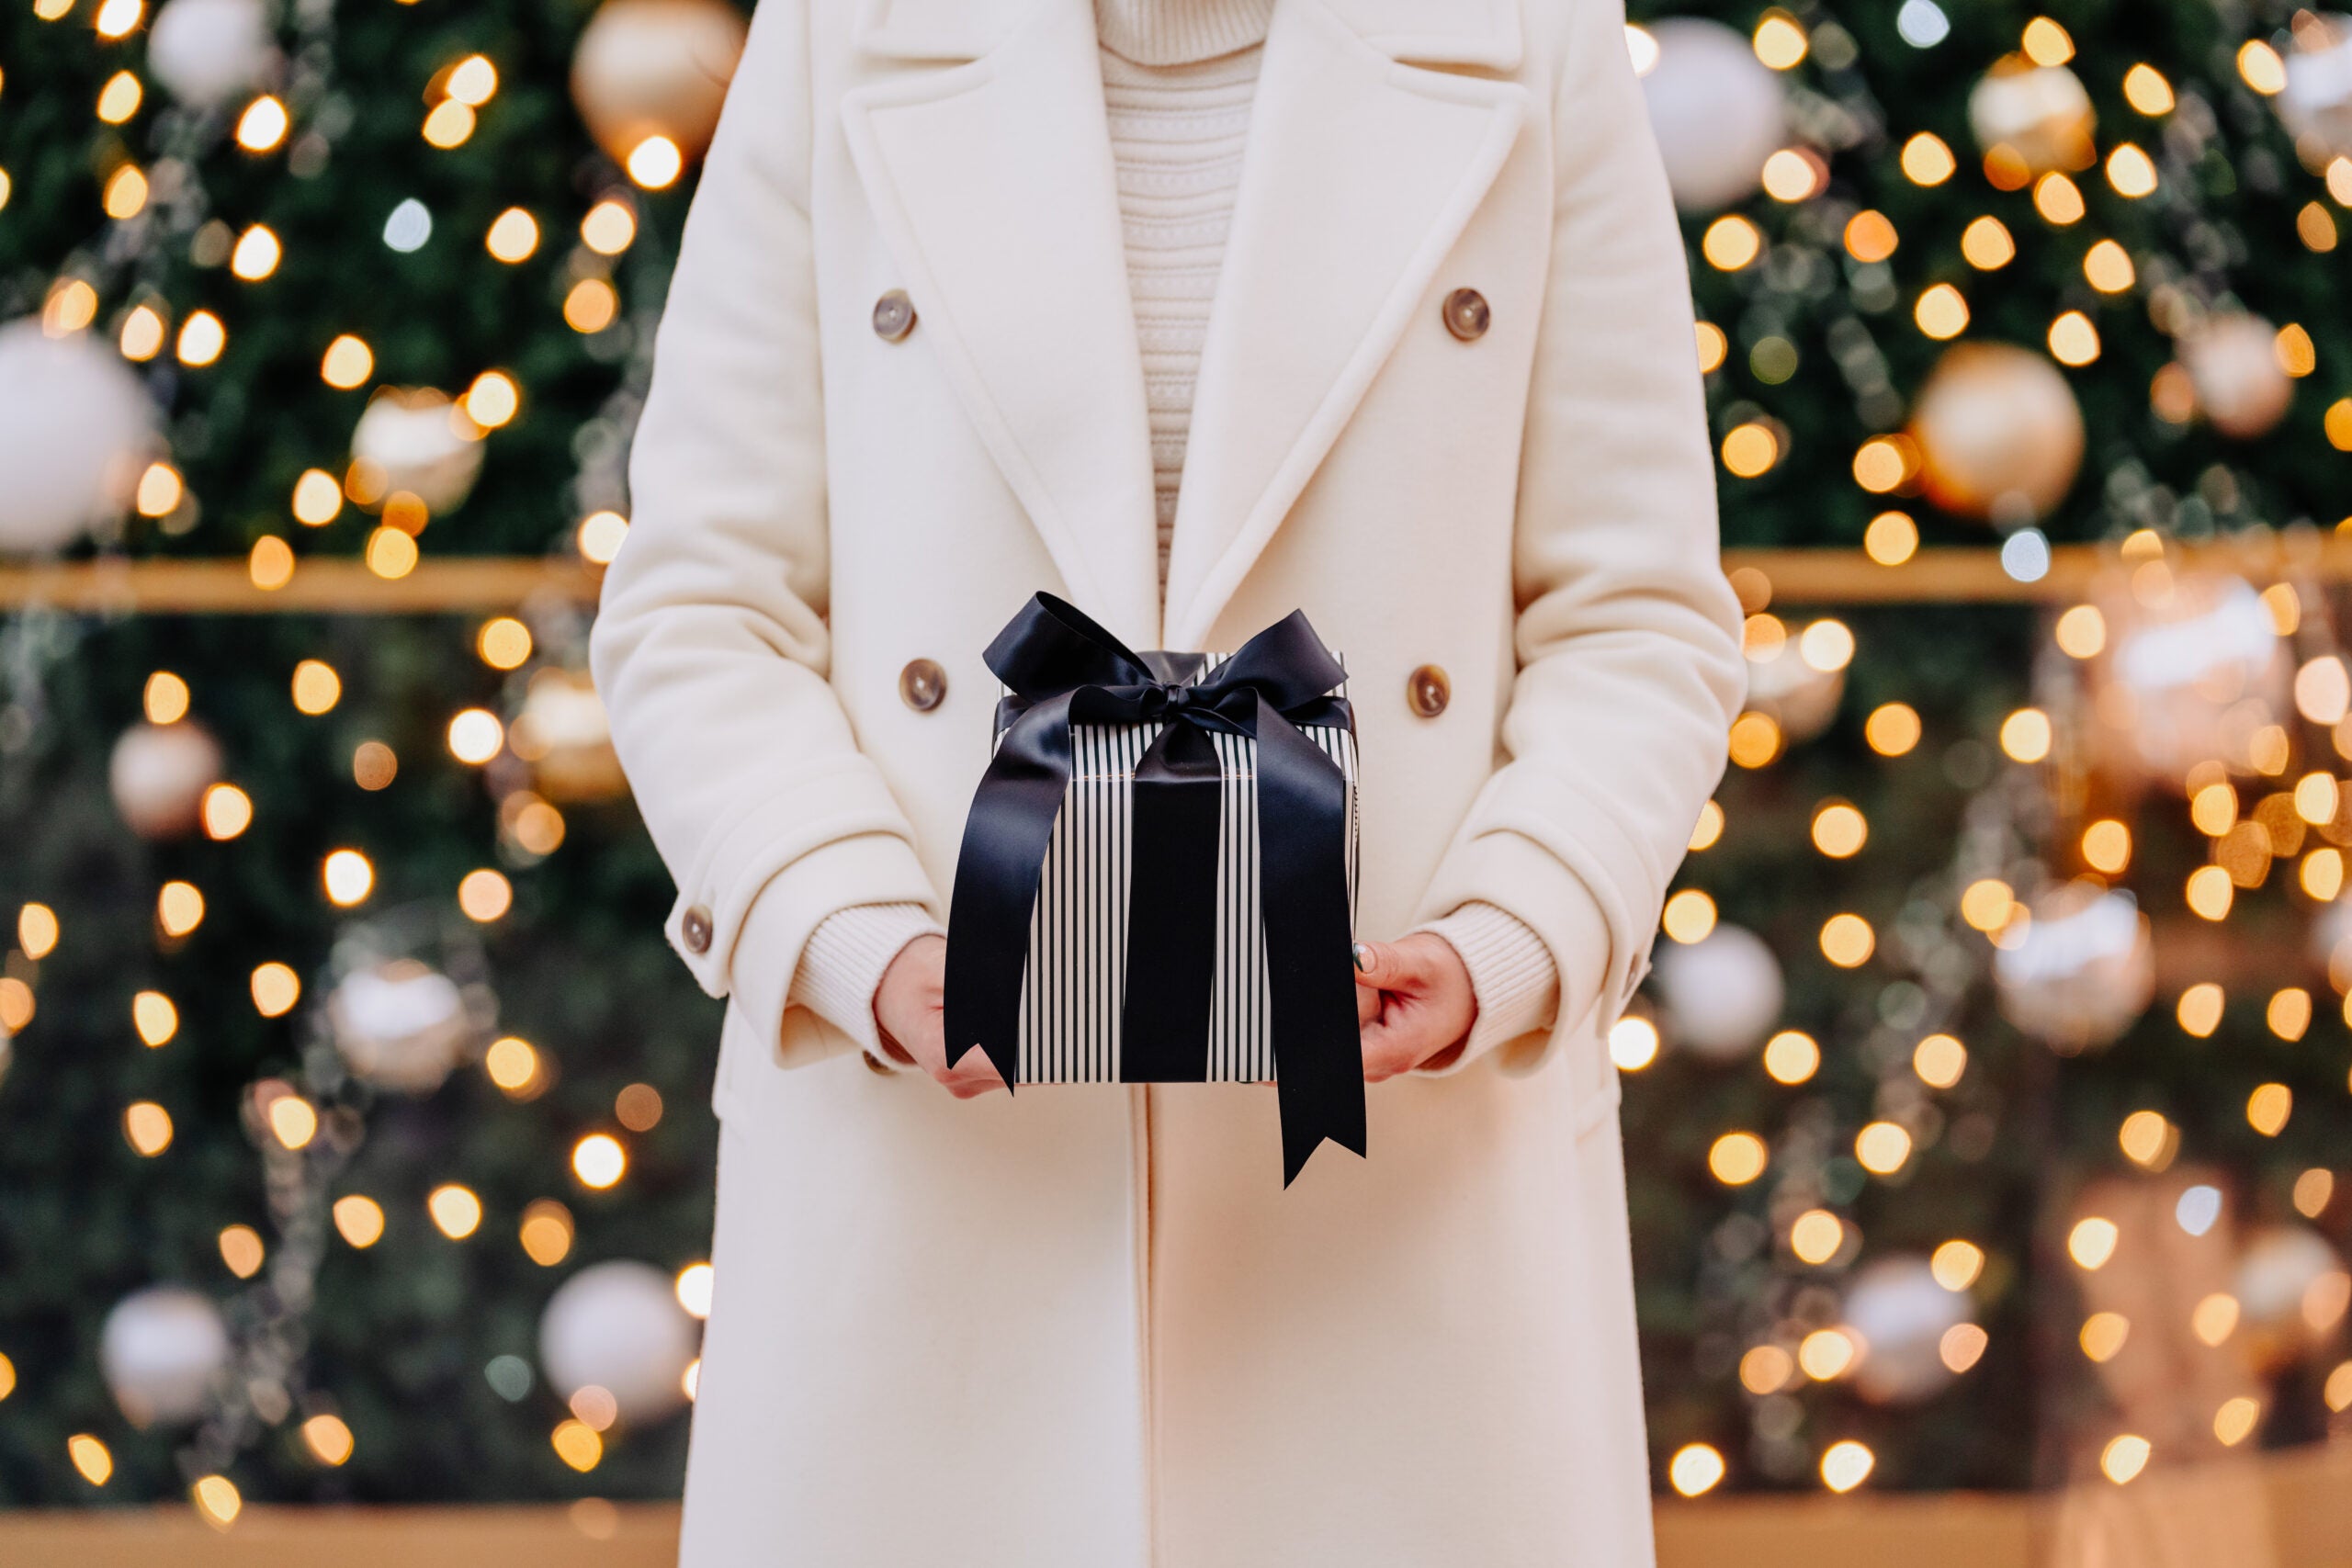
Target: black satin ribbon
1061, 669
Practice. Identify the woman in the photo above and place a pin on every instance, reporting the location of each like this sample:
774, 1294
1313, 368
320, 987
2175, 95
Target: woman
1378, 307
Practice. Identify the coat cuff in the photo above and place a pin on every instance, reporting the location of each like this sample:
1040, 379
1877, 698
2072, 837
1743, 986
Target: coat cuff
1512, 974
1595, 976
841, 968
759, 967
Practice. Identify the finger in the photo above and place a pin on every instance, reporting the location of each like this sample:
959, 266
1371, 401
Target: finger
1388, 966
1368, 1000
1390, 1049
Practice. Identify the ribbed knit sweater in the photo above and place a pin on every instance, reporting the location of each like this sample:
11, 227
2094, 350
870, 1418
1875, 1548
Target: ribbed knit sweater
1178, 79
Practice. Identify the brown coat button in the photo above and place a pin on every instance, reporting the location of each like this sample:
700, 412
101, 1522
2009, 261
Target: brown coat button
1427, 690
894, 316
1467, 315
695, 927
922, 686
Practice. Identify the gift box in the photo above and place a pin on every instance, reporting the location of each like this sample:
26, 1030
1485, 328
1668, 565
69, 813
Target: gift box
1157, 883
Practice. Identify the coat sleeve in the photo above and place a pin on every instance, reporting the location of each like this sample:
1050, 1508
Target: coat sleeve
711, 648
1627, 635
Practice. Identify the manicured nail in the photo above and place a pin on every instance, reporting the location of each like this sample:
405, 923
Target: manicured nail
1363, 955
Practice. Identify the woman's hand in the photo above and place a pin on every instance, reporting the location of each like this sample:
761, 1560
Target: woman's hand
907, 1005
1413, 1001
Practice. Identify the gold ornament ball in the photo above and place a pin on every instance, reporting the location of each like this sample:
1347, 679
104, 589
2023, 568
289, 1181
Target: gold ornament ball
2233, 364
655, 68
1999, 433
2036, 118
561, 732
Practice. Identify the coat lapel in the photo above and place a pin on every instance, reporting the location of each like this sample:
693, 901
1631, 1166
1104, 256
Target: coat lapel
1360, 174
993, 185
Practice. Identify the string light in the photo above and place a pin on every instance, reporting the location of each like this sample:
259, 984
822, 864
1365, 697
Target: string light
448, 124
1939, 1061
656, 162
1956, 1264
1632, 1044
201, 339
609, 227
359, 1220
513, 236
599, 1160
454, 1211
37, 930
2146, 90
256, 255
262, 125
1845, 1466
348, 362
1927, 160
328, 1438
546, 1233
90, 1457
1737, 1158
1695, 1470
1731, 243
2215, 1319
1792, 1056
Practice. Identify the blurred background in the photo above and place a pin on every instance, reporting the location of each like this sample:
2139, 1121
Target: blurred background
1988, 1112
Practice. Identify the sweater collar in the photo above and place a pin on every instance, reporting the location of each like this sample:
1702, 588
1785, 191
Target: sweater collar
1431, 32
1180, 32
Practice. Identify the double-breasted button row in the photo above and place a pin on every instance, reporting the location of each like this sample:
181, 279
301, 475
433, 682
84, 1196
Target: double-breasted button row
1467, 314
894, 316
922, 684
695, 926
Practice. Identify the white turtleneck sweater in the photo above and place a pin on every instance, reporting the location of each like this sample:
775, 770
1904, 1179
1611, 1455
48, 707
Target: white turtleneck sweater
1178, 78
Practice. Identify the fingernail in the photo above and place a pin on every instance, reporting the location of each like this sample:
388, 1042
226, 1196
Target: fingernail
1362, 956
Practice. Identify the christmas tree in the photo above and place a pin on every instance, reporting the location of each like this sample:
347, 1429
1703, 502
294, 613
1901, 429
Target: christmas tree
1988, 1144
1980, 1113
345, 1045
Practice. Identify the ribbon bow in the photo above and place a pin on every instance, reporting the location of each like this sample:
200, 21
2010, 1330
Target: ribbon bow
1062, 668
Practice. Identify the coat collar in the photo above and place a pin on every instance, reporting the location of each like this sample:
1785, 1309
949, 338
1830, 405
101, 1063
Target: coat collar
1429, 33
992, 183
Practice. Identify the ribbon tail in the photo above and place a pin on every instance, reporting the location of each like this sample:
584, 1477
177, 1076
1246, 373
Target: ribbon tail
997, 871
1172, 910
1318, 1048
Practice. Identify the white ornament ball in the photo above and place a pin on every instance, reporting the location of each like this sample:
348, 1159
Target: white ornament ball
1723, 993
159, 1350
2317, 103
1901, 1314
2082, 970
75, 430
158, 775
417, 441
2192, 678
618, 1326
2233, 362
1718, 112
207, 50
2292, 1292
400, 1025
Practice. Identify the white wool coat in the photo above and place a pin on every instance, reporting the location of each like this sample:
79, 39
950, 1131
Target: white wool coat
1085, 1326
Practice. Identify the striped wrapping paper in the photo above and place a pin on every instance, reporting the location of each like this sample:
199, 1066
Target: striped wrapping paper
1071, 987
